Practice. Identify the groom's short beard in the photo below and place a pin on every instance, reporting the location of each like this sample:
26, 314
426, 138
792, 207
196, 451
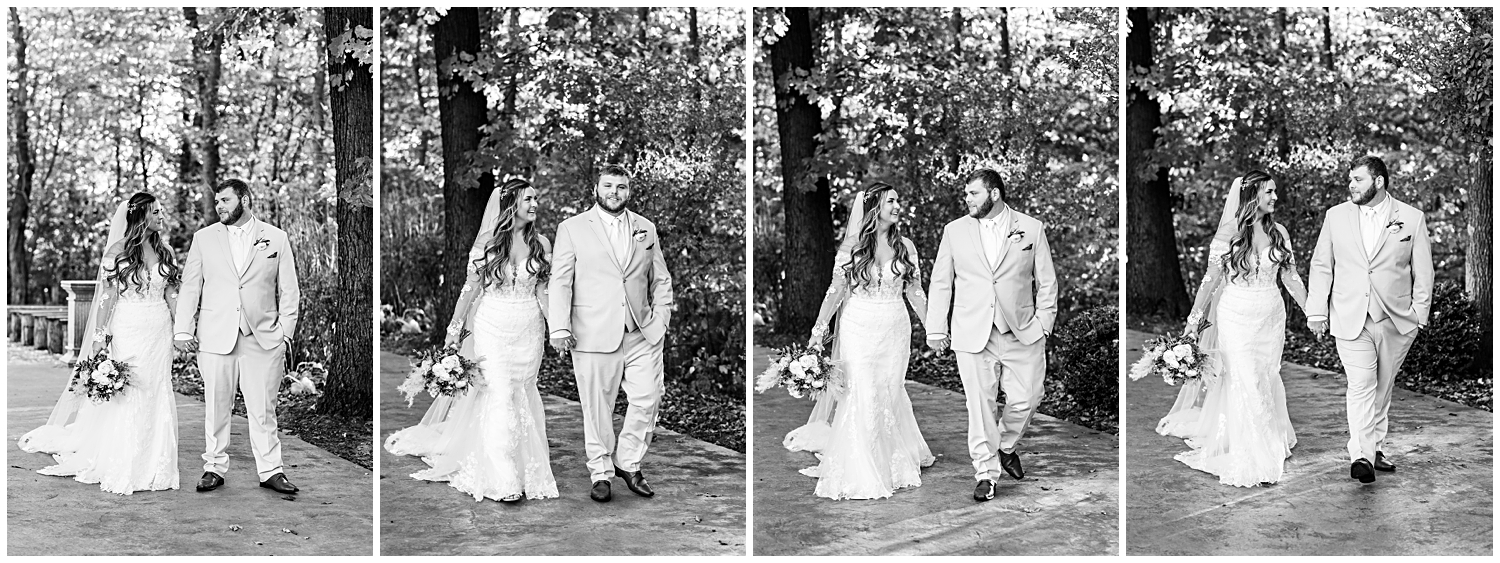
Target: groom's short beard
611, 210
984, 208
1366, 196
234, 216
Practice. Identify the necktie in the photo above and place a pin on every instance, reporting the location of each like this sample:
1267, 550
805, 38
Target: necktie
992, 230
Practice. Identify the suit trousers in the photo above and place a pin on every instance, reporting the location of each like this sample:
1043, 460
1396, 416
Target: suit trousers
1371, 362
1017, 368
637, 367
257, 373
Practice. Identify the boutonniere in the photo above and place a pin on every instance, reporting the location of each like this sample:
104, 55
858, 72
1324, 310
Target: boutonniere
1016, 236
262, 244
639, 235
1394, 226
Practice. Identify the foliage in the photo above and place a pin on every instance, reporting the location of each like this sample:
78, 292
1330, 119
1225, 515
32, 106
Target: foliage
903, 102
569, 89
1245, 88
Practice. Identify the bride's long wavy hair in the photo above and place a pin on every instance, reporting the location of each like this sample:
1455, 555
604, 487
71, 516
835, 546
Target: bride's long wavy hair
863, 253
130, 263
498, 250
1242, 244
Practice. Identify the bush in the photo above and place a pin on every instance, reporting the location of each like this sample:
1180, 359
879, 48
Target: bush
1451, 348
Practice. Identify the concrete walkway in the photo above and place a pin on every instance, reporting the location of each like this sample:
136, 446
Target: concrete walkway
1067, 505
59, 516
699, 507
1438, 502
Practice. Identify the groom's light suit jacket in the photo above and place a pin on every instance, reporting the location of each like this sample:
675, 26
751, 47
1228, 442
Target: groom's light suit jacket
1398, 276
1021, 290
216, 297
589, 293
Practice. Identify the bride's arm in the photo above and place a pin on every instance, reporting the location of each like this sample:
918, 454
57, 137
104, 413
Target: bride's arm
1290, 279
914, 294
541, 285
838, 290
1213, 278
465, 299
104, 301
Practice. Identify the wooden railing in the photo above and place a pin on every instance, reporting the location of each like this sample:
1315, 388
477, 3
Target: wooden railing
55, 328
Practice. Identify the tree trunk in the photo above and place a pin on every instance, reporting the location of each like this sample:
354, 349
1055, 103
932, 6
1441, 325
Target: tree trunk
952, 109
25, 166
207, 52
349, 391
1005, 97
1327, 54
461, 112
806, 200
1283, 138
1153, 273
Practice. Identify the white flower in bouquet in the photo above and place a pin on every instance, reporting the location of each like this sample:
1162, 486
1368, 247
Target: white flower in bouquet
817, 384
1183, 351
795, 393
119, 383
99, 377
452, 363
439, 371
107, 366
461, 384
798, 370
1170, 358
424, 366
1192, 373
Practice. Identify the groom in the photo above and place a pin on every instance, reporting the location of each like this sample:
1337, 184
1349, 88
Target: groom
239, 301
610, 299
994, 270
1371, 287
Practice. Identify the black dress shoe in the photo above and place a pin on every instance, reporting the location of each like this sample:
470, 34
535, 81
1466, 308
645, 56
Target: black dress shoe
1011, 463
209, 482
279, 484
1382, 465
600, 492
635, 481
984, 491
1362, 470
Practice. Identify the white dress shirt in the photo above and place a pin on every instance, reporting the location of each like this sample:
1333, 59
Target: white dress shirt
614, 226
1371, 221
240, 241
993, 234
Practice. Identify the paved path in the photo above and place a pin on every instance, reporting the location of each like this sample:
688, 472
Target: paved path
58, 516
1438, 502
699, 507
1067, 505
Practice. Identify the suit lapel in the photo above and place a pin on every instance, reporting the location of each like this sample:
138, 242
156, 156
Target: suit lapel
1358, 230
228, 252
629, 219
1384, 232
1005, 238
251, 251
597, 225
976, 230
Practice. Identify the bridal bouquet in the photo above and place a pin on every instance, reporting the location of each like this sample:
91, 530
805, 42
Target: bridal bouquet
803, 371
441, 371
100, 378
1175, 359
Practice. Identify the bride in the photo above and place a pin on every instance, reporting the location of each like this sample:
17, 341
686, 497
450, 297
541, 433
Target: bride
873, 446
1237, 423
492, 441
128, 443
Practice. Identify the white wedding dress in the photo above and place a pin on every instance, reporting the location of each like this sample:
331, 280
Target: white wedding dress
493, 442
128, 443
873, 446
1242, 433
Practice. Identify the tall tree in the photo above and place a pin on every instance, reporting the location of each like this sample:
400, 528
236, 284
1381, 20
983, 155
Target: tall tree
806, 196
1153, 272
461, 110
208, 46
350, 33
25, 166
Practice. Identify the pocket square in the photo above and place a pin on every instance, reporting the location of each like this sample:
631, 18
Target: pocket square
653, 245
1407, 239
273, 255
1028, 247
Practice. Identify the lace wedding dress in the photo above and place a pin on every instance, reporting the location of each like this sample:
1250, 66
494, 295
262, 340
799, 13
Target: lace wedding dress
128, 443
873, 446
493, 442
1243, 433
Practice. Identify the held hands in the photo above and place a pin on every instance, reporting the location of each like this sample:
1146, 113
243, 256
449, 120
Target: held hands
564, 343
1318, 327
939, 344
184, 345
